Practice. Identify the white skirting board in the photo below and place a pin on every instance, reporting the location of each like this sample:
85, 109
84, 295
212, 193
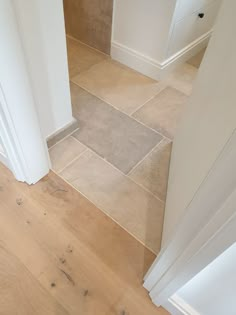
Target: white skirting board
62, 132
177, 306
151, 67
4, 159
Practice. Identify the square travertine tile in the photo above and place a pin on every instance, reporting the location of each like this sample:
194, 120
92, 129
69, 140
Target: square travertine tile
163, 112
152, 172
115, 136
182, 78
118, 85
64, 152
81, 57
197, 59
136, 210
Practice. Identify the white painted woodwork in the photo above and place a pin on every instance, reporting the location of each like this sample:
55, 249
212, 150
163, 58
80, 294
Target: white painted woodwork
41, 25
154, 36
208, 123
212, 291
19, 126
191, 27
204, 232
187, 7
200, 216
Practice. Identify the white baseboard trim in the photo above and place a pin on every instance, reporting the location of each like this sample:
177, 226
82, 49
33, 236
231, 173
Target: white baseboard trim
62, 132
4, 159
177, 306
151, 67
135, 60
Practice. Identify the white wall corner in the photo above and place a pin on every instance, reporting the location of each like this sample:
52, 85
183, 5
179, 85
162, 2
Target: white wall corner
154, 68
43, 39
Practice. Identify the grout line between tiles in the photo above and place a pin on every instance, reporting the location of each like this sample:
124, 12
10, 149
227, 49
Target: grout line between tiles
101, 209
126, 175
80, 72
108, 103
145, 189
82, 43
68, 164
139, 162
117, 169
67, 136
131, 179
79, 141
151, 98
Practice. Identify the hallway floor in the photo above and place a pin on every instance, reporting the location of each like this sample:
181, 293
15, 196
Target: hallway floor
119, 157
61, 255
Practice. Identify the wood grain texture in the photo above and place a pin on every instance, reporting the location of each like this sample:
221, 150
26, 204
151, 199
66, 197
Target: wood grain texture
59, 254
90, 22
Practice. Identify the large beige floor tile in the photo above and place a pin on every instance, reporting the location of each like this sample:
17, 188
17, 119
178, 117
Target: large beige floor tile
65, 152
127, 203
118, 85
112, 134
163, 112
197, 59
182, 78
81, 57
152, 172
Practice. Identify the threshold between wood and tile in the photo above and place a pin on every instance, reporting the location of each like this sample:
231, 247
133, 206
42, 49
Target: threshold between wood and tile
150, 249
92, 176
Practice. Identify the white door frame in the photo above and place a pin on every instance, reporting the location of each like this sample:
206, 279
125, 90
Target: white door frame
213, 216
207, 227
191, 248
20, 134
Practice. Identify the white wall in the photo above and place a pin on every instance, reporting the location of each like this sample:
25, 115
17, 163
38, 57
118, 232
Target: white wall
136, 24
19, 125
1, 148
208, 123
41, 23
152, 36
213, 290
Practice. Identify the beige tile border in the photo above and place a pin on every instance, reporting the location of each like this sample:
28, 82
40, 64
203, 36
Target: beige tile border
137, 164
162, 87
73, 160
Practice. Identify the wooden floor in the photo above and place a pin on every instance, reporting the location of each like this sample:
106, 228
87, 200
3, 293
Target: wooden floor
59, 254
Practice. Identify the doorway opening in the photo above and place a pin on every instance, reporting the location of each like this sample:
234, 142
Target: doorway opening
119, 157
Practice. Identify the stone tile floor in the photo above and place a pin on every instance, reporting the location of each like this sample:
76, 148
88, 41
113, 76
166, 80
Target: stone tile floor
119, 157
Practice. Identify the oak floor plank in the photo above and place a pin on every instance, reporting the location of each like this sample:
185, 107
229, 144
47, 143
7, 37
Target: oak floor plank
20, 292
79, 256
